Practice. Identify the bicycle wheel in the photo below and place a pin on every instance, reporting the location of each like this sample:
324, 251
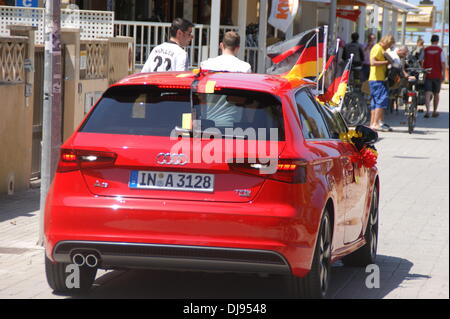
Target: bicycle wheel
412, 115
364, 107
353, 109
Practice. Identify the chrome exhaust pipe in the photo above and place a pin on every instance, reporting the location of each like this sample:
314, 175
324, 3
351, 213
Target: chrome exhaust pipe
79, 260
92, 261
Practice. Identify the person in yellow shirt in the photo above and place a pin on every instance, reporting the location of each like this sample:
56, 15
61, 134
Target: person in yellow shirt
377, 82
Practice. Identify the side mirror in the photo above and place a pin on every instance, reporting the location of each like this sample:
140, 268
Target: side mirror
368, 137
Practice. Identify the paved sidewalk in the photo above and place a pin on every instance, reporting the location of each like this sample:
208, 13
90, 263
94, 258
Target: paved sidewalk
414, 235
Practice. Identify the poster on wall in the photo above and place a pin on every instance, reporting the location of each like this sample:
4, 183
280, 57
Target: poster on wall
283, 13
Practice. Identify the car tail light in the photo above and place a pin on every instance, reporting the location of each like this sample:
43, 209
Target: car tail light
288, 171
72, 160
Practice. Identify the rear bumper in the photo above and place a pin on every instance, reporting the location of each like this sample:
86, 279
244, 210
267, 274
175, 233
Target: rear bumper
128, 255
281, 228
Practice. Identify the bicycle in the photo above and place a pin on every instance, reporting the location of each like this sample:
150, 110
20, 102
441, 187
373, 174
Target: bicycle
413, 95
354, 107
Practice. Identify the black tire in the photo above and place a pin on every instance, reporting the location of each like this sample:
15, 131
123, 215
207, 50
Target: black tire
315, 284
57, 276
412, 115
367, 254
400, 102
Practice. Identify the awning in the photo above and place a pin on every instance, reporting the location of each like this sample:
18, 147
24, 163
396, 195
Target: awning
395, 5
403, 5
351, 3
423, 18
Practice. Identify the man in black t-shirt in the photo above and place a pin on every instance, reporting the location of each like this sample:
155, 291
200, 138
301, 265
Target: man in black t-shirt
356, 49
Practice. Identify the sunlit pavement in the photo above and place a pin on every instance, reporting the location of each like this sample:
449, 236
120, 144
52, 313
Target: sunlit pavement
413, 249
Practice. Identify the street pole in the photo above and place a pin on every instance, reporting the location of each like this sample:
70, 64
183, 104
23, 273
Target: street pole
52, 113
262, 36
215, 28
444, 16
332, 21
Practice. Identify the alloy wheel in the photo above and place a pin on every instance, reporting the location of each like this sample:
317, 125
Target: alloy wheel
374, 226
325, 254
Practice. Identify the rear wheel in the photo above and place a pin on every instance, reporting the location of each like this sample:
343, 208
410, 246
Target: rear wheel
367, 254
412, 115
315, 284
58, 277
354, 109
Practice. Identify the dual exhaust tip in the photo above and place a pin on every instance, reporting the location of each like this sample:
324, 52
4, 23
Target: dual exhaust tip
90, 260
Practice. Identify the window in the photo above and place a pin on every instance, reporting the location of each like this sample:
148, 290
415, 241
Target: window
313, 124
241, 109
139, 110
336, 124
152, 111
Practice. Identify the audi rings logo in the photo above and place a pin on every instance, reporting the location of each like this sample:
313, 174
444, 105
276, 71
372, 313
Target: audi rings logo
171, 159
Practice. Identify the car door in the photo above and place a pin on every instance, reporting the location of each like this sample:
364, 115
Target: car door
327, 158
355, 178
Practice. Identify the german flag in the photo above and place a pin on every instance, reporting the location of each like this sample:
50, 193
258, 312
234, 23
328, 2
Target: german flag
310, 63
335, 93
287, 54
331, 76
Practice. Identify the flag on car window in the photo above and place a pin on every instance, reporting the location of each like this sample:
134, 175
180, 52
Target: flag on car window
336, 92
299, 57
310, 63
331, 75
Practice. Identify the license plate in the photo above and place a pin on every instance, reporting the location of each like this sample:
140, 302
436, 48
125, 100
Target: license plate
172, 181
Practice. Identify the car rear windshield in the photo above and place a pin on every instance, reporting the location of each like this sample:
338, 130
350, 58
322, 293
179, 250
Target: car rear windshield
255, 113
153, 111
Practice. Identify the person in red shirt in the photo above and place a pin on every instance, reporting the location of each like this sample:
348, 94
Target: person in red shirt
433, 57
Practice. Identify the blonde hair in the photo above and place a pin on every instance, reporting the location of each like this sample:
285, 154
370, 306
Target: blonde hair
387, 40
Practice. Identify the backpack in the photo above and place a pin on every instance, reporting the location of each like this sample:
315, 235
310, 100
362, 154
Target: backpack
394, 77
355, 49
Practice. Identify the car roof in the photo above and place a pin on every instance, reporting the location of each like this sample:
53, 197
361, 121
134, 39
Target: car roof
244, 81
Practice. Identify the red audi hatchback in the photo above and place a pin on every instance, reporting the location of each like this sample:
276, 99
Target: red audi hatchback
217, 172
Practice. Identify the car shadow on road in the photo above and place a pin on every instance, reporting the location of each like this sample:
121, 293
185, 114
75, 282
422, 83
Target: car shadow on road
361, 283
347, 283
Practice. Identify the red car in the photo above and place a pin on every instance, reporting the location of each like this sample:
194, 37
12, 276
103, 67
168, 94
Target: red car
289, 200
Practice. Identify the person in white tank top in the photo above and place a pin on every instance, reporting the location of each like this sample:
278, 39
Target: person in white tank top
228, 62
171, 55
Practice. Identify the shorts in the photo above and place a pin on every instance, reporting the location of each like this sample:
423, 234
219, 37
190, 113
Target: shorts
379, 94
433, 85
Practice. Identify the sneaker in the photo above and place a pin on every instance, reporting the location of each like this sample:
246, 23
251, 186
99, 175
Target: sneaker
435, 114
386, 128
427, 115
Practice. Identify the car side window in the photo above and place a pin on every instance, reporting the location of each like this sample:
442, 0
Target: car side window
336, 124
313, 123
